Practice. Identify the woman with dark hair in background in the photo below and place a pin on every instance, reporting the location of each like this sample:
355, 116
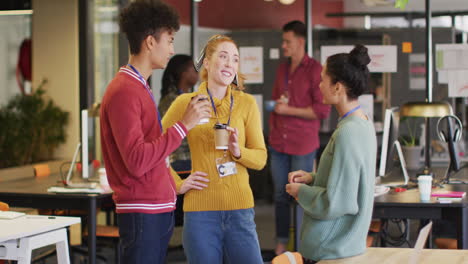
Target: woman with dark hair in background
338, 199
179, 77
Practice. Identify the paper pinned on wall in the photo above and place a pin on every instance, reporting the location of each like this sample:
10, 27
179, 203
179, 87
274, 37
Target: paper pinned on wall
458, 83
383, 57
451, 57
251, 64
417, 71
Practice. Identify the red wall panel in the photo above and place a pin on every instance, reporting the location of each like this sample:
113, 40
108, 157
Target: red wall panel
257, 14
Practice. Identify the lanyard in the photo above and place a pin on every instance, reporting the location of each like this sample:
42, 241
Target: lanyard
149, 91
350, 112
214, 107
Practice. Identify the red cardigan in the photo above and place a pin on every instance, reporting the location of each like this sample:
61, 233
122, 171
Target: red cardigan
134, 148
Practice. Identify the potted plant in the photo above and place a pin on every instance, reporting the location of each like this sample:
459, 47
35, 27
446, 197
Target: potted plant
32, 127
410, 144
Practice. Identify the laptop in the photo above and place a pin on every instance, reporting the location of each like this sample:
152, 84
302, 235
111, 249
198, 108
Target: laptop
68, 183
414, 258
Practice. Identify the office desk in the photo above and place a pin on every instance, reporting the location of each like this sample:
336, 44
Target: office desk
408, 205
19, 236
32, 192
404, 255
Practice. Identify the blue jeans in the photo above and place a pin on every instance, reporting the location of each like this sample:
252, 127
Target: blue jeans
182, 165
144, 237
218, 237
281, 165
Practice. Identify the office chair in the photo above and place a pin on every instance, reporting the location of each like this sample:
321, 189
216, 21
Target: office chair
4, 207
446, 243
374, 232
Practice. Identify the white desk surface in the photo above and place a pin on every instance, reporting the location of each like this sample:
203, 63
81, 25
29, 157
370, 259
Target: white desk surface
404, 255
29, 225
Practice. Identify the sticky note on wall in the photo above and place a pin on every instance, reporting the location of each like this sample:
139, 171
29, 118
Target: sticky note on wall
407, 47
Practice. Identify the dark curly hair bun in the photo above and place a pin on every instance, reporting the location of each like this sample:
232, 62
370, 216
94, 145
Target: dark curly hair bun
359, 56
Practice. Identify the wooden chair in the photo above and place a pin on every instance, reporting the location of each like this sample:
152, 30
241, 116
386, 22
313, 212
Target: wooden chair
446, 243
374, 230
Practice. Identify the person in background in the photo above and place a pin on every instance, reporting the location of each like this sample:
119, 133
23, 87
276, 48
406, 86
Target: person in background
134, 148
179, 77
338, 199
218, 203
295, 121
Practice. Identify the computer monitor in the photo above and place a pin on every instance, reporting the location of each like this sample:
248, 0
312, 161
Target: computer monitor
88, 141
390, 135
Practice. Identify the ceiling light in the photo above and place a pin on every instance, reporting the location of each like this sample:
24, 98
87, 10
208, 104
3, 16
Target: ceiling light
287, 2
15, 12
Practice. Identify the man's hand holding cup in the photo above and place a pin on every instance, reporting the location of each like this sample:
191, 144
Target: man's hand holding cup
198, 108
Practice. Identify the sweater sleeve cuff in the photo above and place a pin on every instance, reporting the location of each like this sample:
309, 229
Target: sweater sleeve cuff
313, 174
181, 129
239, 159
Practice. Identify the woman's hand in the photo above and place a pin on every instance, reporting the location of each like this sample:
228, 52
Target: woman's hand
299, 176
194, 181
233, 144
293, 189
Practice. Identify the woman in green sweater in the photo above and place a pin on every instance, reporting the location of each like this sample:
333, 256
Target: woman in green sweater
338, 199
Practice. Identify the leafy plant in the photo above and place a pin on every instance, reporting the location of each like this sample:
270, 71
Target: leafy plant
31, 128
401, 4
410, 140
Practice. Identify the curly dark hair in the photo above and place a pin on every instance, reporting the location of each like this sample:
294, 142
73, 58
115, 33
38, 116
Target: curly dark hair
147, 17
351, 70
174, 69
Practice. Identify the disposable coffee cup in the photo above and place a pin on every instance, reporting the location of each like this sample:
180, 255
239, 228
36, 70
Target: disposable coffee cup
221, 136
103, 178
203, 120
425, 187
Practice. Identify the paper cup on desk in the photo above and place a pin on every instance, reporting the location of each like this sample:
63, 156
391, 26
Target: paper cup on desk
425, 187
103, 179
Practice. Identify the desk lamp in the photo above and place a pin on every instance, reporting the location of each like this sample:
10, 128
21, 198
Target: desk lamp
426, 110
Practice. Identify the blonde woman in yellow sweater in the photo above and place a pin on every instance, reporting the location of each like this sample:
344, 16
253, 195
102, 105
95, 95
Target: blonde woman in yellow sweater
218, 204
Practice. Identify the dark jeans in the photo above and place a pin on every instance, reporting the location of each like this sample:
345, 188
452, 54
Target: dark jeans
281, 165
144, 237
182, 165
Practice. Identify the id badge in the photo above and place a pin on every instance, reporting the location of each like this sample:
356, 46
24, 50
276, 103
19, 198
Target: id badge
225, 166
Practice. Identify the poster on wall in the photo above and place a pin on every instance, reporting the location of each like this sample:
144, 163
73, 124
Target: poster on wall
417, 71
383, 57
452, 61
458, 83
251, 64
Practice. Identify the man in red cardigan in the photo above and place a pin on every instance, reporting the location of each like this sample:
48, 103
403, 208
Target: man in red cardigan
134, 147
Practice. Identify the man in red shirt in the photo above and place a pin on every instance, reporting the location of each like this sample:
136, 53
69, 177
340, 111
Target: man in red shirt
295, 121
134, 147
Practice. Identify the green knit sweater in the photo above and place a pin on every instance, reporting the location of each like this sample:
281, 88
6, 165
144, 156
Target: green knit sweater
338, 203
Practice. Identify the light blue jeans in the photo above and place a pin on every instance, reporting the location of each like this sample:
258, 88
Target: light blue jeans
218, 237
281, 165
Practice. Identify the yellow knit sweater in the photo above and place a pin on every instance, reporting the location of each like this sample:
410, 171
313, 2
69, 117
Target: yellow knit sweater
231, 192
